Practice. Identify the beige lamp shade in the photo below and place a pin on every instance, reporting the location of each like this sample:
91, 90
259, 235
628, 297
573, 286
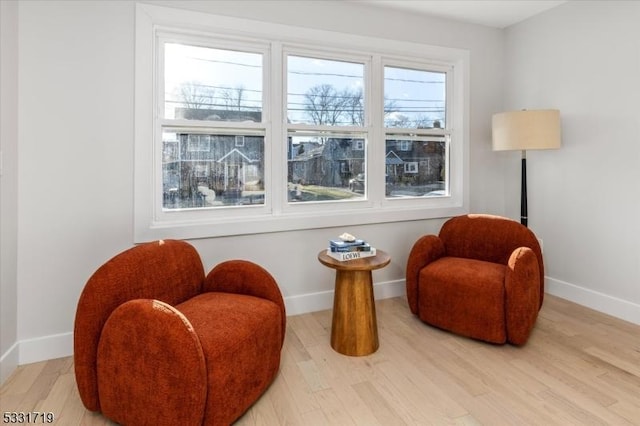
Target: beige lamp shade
527, 129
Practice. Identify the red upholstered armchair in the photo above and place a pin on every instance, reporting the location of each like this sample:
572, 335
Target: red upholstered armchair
481, 277
158, 343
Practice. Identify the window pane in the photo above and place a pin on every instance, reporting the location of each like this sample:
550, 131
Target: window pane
414, 99
212, 84
324, 92
326, 168
416, 167
211, 170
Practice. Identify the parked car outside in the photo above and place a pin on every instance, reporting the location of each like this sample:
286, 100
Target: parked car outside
357, 183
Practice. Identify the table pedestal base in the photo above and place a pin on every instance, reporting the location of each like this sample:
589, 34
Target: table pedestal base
354, 330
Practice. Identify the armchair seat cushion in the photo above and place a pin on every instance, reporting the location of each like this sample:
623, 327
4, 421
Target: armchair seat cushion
241, 339
465, 296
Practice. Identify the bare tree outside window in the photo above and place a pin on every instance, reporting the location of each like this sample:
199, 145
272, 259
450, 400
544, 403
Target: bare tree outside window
233, 98
354, 107
196, 95
324, 105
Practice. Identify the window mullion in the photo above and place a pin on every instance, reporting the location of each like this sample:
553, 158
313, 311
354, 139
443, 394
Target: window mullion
277, 146
376, 146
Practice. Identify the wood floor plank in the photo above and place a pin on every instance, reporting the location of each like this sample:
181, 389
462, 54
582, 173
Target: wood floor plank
56, 399
333, 408
617, 359
294, 346
23, 379
578, 367
569, 398
280, 396
383, 411
423, 400
417, 381
564, 374
335, 368
303, 400
620, 385
315, 418
262, 413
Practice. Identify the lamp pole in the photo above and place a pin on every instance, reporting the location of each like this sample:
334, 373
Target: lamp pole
523, 190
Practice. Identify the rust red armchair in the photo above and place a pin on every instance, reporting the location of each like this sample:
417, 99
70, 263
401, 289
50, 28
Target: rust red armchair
158, 343
481, 277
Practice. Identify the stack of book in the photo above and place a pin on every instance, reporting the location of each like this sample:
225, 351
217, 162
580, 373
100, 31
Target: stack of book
348, 250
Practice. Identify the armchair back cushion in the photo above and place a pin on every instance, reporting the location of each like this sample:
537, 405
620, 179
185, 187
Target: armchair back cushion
170, 271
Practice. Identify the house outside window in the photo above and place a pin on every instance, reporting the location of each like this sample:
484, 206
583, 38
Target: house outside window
257, 132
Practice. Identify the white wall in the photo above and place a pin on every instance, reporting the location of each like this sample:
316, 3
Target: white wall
8, 186
584, 199
75, 175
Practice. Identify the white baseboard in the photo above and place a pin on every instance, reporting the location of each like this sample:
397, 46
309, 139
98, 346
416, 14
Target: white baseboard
9, 362
47, 347
61, 345
601, 302
35, 350
320, 301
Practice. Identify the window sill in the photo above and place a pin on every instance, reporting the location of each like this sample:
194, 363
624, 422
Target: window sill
292, 222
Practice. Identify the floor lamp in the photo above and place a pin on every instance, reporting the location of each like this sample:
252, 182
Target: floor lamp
523, 131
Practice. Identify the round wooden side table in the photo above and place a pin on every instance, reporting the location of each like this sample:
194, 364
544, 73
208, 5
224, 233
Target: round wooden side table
354, 330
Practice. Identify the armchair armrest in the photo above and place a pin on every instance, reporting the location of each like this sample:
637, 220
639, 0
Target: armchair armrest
151, 366
245, 277
427, 249
522, 294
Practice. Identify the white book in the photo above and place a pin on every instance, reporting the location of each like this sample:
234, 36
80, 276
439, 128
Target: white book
350, 255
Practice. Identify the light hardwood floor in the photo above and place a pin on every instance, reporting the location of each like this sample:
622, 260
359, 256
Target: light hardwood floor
579, 367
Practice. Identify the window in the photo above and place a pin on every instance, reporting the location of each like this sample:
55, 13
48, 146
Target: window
209, 95
325, 127
260, 133
416, 131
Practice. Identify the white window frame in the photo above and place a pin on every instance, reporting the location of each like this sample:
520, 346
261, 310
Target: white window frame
276, 214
